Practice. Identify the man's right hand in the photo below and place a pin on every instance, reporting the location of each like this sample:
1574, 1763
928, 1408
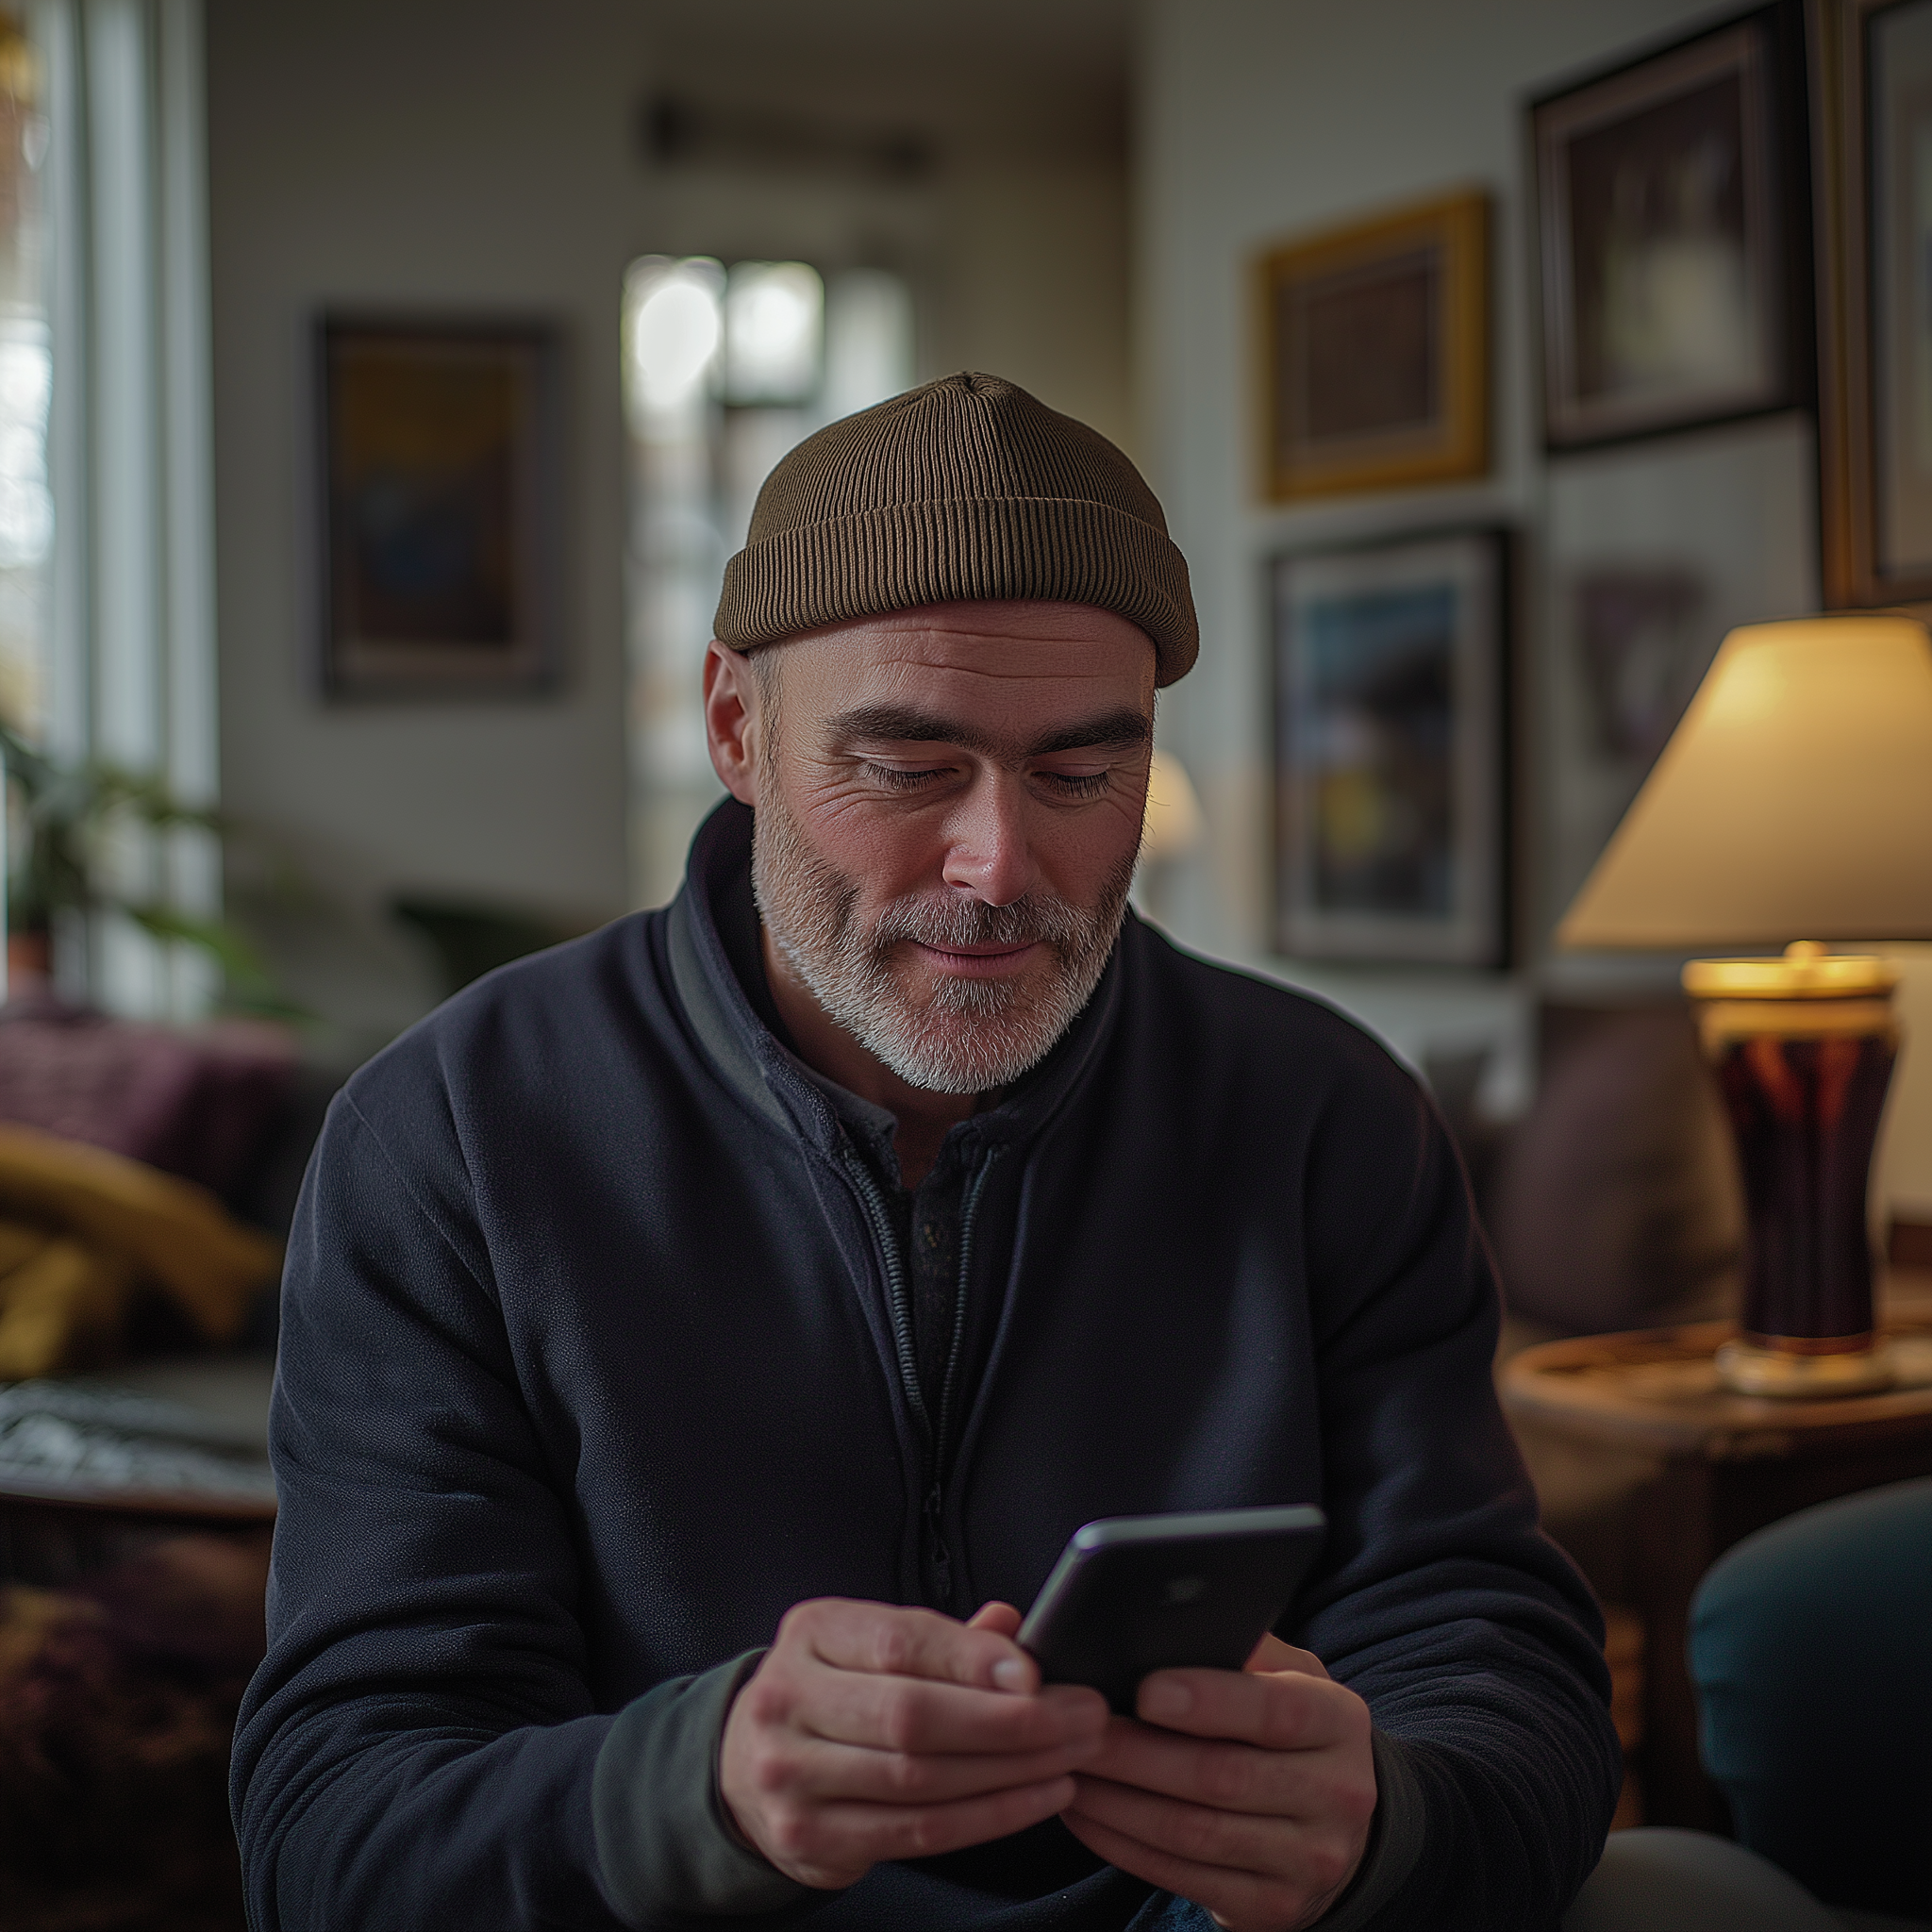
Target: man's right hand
871, 1733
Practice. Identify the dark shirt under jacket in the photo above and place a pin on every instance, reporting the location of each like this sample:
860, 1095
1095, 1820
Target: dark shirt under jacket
599, 1351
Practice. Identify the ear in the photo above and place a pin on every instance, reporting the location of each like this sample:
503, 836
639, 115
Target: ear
731, 721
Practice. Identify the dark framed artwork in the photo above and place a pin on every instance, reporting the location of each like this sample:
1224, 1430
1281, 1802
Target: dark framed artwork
1674, 236
1874, 172
1391, 753
439, 445
1375, 352
1631, 638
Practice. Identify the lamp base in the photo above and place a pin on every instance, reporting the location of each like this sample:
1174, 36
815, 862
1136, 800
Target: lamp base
1747, 1370
1803, 1049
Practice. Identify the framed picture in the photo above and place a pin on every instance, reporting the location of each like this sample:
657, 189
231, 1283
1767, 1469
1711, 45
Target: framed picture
438, 498
1642, 651
1875, 171
1673, 236
1391, 750
1375, 352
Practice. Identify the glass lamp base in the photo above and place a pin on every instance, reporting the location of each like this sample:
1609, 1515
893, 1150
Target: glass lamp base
1803, 1049
1747, 1370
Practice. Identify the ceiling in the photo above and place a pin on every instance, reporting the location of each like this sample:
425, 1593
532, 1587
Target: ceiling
1086, 38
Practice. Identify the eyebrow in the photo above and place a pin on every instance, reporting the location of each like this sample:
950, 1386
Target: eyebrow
903, 725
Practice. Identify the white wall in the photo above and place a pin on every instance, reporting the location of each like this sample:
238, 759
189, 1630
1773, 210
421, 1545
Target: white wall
485, 153
1263, 119
376, 153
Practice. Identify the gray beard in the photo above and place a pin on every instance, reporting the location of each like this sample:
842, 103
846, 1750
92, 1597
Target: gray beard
972, 1035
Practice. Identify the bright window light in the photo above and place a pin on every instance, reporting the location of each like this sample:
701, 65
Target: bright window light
773, 320
676, 330
27, 510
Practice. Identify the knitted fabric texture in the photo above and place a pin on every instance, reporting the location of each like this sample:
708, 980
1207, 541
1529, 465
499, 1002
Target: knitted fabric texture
965, 489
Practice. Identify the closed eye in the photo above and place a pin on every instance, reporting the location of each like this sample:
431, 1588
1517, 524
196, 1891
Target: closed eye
1078, 784
899, 779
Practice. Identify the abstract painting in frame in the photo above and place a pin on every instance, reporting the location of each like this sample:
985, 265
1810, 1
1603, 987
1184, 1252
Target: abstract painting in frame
1391, 753
1375, 353
438, 498
1874, 172
1674, 236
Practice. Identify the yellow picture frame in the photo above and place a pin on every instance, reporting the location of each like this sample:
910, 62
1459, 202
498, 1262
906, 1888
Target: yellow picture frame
1374, 345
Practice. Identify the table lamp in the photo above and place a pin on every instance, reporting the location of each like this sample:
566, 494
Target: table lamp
1792, 807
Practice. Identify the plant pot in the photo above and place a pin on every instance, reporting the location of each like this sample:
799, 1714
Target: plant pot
29, 962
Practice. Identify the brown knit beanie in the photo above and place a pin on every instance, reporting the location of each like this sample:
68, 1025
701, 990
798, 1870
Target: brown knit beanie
965, 489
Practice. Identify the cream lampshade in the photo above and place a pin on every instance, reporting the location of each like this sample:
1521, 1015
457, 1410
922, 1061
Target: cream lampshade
1794, 803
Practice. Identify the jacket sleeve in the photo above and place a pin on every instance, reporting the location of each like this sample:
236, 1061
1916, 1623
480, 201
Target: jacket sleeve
421, 1747
1472, 1638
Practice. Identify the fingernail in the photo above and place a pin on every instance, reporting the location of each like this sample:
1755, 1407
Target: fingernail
1009, 1673
1162, 1700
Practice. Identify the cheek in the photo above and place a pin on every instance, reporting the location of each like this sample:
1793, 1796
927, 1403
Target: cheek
889, 851
1080, 856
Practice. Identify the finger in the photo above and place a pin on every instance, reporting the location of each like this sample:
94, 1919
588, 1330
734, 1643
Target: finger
1271, 1654
861, 1834
1204, 1836
916, 1714
1232, 1776
1279, 1711
1003, 1620
886, 1641
1237, 1899
821, 1773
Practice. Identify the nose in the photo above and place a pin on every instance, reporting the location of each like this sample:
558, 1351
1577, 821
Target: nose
988, 852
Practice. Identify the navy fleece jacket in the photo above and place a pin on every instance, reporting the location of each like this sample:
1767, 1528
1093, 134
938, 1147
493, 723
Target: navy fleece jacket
594, 1362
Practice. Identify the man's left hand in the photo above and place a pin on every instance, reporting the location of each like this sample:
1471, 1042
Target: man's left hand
1248, 1792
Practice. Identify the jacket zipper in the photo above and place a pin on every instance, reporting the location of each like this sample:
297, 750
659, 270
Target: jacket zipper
937, 1431
969, 1208
881, 1219
935, 1496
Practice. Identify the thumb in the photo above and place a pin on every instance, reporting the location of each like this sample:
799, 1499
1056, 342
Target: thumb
1272, 1655
1002, 1619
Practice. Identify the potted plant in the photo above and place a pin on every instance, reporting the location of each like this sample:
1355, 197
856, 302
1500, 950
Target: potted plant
60, 820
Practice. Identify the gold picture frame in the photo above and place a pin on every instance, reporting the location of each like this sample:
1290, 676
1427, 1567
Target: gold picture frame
1872, 75
1375, 349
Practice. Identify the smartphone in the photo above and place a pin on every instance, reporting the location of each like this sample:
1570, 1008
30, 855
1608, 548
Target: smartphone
1133, 1594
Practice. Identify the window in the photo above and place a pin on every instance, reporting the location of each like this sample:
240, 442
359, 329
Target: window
27, 508
107, 628
726, 369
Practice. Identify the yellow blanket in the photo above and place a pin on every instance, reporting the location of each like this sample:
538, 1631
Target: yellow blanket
81, 1230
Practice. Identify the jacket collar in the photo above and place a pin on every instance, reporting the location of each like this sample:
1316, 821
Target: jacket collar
765, 1071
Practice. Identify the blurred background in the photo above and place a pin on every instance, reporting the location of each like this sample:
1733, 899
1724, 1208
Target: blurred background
384, 383
245, 244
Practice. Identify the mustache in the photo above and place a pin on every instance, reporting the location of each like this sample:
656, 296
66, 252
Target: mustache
1035, 920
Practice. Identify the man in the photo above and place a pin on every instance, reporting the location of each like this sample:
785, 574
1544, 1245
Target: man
699, 1339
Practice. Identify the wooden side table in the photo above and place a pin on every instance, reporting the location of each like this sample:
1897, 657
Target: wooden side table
1727, 1465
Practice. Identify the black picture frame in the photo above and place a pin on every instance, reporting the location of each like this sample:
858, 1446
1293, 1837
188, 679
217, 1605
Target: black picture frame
1672, 234
1391, 721
439, 458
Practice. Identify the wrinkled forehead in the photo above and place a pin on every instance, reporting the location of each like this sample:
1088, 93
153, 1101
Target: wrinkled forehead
996, 654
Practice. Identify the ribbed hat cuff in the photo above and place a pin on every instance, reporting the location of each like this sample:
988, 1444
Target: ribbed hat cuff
901, 555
